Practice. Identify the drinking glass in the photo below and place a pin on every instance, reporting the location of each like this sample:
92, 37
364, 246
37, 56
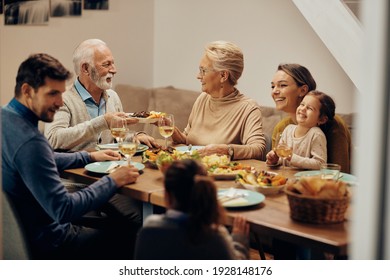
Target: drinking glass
128, 145
166, 125
118, 128
330, 171
283, 150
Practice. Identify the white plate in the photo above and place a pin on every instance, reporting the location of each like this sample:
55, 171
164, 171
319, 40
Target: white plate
101, 167
143, 120
185, 148
226, 176
266, 190
114, 146
249, 198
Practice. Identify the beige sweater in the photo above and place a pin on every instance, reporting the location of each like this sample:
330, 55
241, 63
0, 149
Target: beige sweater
73, 129
234, 119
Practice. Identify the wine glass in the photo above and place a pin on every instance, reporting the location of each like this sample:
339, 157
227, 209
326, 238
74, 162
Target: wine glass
166, 124
118, 128
128, 145
282, 149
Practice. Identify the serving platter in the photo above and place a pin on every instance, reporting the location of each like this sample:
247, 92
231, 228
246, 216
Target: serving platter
345, 177
114, 146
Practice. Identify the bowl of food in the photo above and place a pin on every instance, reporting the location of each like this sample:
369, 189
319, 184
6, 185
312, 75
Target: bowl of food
265, 182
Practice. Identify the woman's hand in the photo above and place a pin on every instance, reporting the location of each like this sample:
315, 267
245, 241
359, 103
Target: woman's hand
219, 149
272, 158
105, 155
240, 226
124, 175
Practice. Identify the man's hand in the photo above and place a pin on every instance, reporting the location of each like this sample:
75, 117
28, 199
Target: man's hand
148, 140
124, 175
105, 155
109, 116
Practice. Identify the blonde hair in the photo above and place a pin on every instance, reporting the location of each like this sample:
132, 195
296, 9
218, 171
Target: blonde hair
226, 56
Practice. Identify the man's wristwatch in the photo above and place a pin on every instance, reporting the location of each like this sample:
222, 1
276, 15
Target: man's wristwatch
230, 152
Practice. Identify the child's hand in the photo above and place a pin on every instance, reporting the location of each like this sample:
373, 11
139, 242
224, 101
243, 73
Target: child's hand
272, 158
240, 226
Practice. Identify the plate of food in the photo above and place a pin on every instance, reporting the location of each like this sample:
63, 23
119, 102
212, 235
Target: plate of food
221, 168
345, 177
146, 116
158, 157
232, 198
106, 167
114, 146
265, 182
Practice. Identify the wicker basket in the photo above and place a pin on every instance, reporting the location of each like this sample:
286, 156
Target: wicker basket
317, 210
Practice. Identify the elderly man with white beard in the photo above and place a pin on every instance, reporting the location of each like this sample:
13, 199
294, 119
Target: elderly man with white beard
89, 106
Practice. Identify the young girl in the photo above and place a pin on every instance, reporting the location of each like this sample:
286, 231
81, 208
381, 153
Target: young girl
307, 140
192, 227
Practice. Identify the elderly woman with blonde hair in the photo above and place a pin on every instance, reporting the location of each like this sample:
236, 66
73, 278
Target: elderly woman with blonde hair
223, 119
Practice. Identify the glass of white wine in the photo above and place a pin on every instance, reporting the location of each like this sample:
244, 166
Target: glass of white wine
128, 145
118, 128
166, 125
283, 150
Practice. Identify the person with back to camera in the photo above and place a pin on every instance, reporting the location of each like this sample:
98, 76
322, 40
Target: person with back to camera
290, 84
222, 118
192, 227
30, 172
307, 140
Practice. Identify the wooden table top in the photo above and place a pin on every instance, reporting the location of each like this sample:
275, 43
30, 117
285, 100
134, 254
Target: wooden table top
271, 218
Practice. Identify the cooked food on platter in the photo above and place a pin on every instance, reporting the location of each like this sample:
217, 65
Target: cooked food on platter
222, 168
159, 157
265, 182
146, 116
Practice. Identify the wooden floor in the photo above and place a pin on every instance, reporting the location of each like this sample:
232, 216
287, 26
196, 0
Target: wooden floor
254, 255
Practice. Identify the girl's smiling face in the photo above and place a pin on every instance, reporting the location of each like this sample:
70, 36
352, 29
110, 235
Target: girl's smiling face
308, 113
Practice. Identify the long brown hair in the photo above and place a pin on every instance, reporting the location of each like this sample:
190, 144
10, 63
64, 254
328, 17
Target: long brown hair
195, 194
300, 74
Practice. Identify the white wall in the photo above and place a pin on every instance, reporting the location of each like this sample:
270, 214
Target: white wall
268, 31
127, 28
160, 43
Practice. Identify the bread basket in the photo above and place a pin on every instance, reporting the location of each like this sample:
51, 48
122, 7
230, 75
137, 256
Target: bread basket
316, 210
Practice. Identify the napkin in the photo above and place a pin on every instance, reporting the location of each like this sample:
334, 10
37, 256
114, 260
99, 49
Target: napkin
112, 167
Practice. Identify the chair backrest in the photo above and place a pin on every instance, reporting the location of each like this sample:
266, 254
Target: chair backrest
173, 243
15, 245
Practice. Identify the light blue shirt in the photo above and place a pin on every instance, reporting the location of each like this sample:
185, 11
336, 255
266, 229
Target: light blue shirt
94, 110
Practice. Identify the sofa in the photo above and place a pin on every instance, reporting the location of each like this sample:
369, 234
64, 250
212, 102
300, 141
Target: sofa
179, 102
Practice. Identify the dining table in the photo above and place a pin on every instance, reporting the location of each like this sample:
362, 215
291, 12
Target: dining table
268, 220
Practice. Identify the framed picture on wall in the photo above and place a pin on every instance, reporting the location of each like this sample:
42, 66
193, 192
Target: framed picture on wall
95, 4
63, 8
27, 12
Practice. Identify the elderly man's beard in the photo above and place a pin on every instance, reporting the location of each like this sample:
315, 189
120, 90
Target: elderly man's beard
101, 82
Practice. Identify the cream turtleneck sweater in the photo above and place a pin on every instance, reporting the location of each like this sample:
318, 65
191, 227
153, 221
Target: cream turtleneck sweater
234, 119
